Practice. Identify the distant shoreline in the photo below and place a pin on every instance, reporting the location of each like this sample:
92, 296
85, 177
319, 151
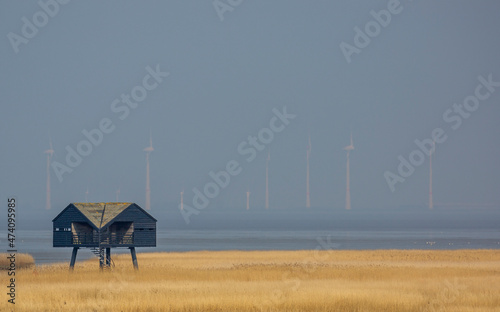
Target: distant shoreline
39, 243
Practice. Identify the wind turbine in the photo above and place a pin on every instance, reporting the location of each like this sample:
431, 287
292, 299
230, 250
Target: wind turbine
148, 150
248, 200
49, 153
348, 149
87, 195
431, 202
117, 194
267, 179
308, 199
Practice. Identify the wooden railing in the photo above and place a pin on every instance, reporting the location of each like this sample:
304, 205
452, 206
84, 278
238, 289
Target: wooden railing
106, 238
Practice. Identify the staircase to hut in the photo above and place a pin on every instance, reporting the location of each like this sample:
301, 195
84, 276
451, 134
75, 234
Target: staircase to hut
101, 254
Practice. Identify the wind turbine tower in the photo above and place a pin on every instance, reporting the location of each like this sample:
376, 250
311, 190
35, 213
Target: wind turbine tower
267, 179
348, 149
87, 195
431, 201
182, 200
148, 150
49, 153
248, 200
308, 199
117, 194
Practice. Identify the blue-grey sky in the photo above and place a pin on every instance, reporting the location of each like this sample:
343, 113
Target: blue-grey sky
226, 77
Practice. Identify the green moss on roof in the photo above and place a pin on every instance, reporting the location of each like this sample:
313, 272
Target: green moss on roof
94, 211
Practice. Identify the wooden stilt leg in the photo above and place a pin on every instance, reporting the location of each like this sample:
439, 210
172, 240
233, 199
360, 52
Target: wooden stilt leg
73, 259
134, 257
101, 258
108, 257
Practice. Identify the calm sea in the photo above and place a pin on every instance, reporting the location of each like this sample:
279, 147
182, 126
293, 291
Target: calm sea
39, 243
295, 231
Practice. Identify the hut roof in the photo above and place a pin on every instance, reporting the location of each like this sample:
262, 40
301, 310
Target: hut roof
95, 211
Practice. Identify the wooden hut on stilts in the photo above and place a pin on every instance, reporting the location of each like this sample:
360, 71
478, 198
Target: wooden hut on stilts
102, 226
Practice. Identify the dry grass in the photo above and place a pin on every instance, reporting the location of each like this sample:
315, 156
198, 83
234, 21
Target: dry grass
22, 261
386, 280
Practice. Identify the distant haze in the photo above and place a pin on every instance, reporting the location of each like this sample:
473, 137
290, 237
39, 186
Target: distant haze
227, 80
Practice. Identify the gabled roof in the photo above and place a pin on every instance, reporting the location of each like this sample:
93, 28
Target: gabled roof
97, 211
93, 212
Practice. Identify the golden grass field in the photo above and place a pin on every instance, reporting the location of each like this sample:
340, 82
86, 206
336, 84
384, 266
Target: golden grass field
22, 261
327, 280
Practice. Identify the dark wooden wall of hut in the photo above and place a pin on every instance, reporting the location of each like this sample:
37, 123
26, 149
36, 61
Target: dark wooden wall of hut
144, 226
62, 238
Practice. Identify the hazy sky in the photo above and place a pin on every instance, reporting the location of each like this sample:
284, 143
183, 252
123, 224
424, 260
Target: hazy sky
225, 77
